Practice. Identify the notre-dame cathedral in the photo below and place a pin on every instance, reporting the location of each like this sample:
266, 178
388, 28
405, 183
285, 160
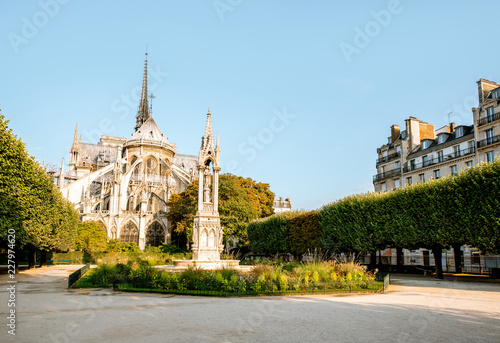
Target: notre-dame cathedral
125, 184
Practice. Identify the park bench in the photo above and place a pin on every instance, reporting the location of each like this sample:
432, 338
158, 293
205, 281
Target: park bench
425, 269
64, 262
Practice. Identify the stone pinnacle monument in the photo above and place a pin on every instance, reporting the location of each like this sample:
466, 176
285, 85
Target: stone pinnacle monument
207, 231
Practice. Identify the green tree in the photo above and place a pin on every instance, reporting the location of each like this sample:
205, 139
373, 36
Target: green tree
30, 204
240, 201
91, 237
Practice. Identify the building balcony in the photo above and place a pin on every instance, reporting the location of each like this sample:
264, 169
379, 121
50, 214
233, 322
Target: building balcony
488, 141
445, 158
388, 157
386, 174
488, 119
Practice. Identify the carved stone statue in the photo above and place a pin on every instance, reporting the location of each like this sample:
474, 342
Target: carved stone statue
207, 179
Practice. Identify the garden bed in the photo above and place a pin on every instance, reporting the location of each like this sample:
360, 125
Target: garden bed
307, 278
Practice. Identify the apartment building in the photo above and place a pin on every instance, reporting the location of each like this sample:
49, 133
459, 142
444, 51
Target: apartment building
420, 152
487, 121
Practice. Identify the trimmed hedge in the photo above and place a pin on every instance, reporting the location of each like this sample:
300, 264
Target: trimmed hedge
451, 211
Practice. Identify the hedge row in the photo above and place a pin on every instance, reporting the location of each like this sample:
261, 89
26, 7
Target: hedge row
451, 211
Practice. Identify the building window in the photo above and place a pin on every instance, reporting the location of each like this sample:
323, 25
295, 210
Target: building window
397, 183
425, 161
453, 170
397, 165
495, 94
440, 156
490, 157
456, 150
441, 138
469, 163
490, 114
384, 187
382, 170
408, 180
471, 146
489, 136
437, 174
412, 164
475, 257
413, 258
426, 144
459, 132
398, 149
421, 177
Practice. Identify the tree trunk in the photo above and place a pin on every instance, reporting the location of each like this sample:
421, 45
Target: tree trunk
43, 258
438, 261
31, 257
400, 261
373, 260
380, 258
457, 253
17, 260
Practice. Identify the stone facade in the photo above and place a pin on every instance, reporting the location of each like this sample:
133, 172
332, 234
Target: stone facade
420, 152
125, 184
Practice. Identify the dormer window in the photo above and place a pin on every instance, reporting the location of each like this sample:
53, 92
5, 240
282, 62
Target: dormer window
441, 139
459, 132
495, 94
426, 144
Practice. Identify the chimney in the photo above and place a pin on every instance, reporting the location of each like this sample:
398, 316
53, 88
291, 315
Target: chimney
395, 130
452, 127
281, 198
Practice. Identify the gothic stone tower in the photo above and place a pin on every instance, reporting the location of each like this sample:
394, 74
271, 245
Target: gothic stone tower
207, 232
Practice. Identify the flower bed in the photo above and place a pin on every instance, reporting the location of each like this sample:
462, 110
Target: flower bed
312, 277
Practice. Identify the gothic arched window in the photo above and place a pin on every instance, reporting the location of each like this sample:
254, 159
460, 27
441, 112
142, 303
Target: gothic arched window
129, 233
155, 235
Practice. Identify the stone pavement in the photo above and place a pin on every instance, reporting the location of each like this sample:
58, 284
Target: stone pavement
414, 310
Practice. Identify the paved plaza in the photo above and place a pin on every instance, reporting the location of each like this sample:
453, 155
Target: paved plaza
415, 309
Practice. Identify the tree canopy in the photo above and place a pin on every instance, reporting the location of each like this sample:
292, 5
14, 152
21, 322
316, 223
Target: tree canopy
240, 201
30, 204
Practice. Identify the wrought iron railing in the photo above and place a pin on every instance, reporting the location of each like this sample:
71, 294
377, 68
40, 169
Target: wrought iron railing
386, 174
489, 119
488, 141
439, 159
389, 157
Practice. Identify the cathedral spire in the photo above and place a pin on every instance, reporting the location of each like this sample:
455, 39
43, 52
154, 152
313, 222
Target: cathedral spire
143, 111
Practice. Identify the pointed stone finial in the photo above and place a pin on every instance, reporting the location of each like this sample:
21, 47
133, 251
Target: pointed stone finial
61, 175
75, 145
209, 111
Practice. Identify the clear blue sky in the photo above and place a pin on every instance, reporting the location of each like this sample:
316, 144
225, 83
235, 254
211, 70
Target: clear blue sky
302, 92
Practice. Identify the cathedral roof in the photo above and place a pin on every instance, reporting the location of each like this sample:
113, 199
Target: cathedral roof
149, 132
